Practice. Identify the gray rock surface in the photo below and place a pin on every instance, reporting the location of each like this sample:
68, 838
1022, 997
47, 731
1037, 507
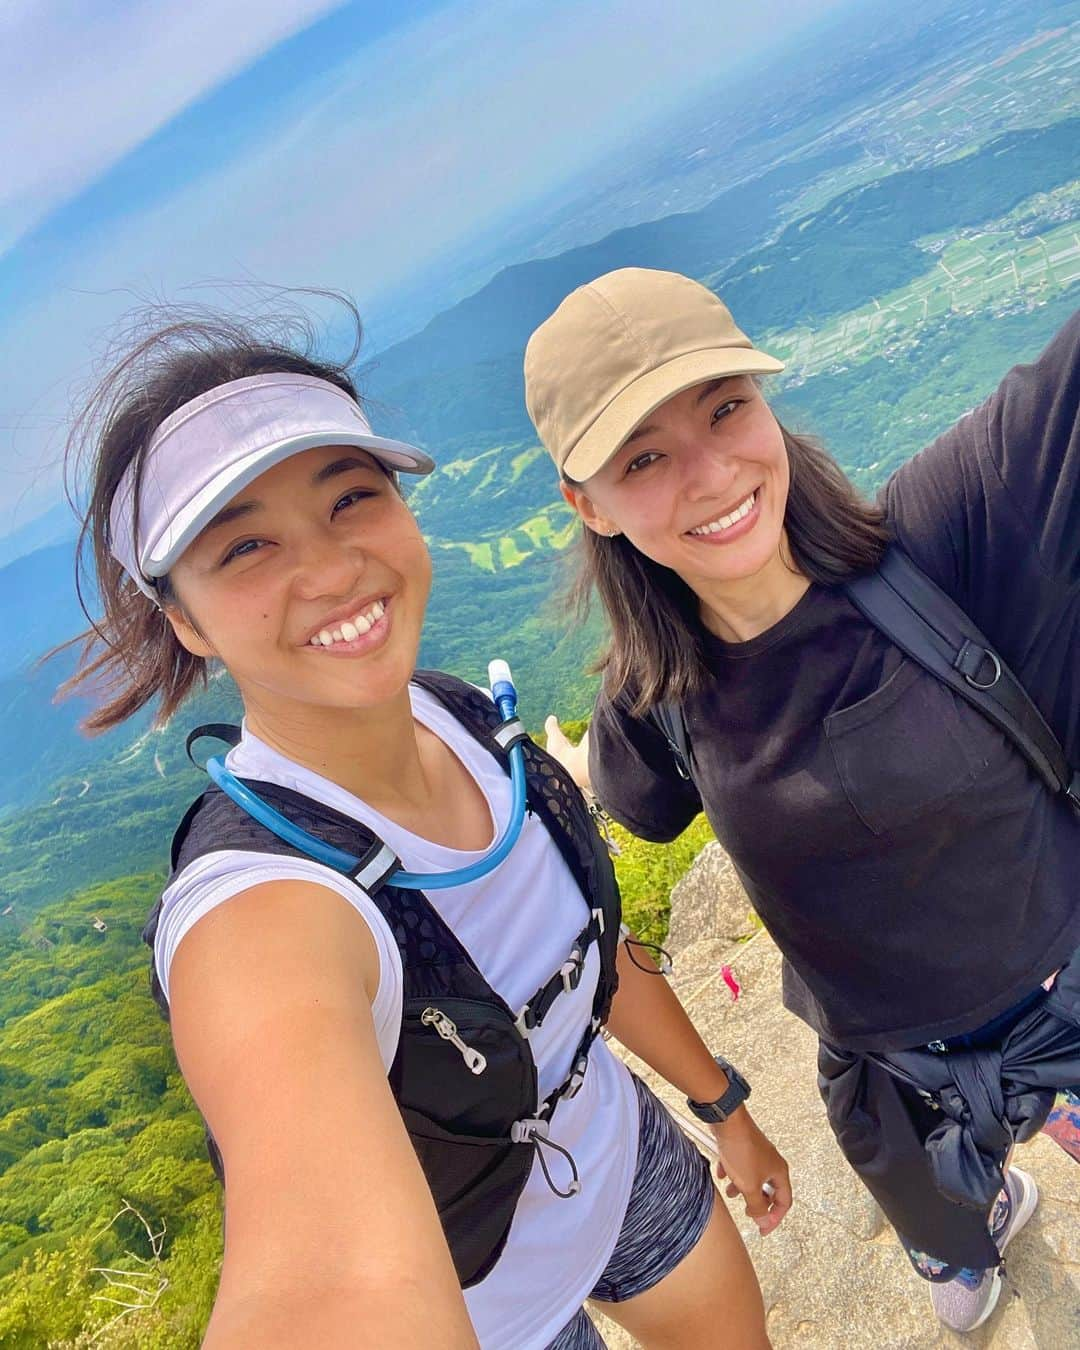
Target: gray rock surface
833, 1275
709, 902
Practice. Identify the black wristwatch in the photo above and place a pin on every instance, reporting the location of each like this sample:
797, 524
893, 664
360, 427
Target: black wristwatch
738, 1091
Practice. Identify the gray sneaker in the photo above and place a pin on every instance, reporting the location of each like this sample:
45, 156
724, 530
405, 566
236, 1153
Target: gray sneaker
967, 1300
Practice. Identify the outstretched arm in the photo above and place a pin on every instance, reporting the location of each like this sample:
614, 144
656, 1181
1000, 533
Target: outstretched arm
331, 1233
626, 762
573, 758
649, 1020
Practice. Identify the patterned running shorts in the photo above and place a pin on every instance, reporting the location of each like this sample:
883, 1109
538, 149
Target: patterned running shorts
671, 1201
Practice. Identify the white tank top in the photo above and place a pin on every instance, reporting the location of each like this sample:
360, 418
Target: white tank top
518, 924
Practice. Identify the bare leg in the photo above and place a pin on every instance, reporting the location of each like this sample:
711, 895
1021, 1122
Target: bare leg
711, 1298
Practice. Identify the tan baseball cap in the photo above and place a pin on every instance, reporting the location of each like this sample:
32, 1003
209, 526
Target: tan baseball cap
618, 347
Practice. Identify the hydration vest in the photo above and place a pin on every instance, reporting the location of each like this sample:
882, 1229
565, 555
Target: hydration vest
463, 1076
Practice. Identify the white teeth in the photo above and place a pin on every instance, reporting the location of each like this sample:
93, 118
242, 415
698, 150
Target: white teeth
725, 522
352, 629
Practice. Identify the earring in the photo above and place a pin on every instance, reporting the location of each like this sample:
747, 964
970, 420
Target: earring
612, 533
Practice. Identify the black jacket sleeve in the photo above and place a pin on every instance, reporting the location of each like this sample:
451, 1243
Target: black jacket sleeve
1032, 430
634, 776
991, 511
1000, 490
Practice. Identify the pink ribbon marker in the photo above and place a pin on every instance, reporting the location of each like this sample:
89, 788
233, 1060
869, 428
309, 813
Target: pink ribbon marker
732, 983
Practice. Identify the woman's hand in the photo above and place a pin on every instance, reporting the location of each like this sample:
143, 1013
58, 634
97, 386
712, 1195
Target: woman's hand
751, 1163
573, 758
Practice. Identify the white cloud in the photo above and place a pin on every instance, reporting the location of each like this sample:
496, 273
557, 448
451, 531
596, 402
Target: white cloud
84, 83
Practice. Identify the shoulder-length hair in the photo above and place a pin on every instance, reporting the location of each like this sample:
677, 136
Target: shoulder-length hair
655, 653
130, 655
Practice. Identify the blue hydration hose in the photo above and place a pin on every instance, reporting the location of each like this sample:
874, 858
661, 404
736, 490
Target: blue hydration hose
505, 696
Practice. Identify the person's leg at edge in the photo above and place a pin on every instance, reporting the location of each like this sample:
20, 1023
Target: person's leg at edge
712, 1293
679, 1269
964, 1298
1063, 1126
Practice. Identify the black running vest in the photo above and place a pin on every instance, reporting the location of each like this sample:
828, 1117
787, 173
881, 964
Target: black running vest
463, 1076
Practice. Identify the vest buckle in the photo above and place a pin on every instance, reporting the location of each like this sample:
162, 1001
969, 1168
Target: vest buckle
571, 969
572, 1086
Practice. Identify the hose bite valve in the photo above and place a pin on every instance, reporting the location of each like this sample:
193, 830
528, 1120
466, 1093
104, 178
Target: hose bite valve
501, 683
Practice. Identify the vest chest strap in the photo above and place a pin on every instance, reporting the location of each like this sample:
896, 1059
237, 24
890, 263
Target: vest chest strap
565, 979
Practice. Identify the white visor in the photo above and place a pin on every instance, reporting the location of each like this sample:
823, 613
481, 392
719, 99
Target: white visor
201, 456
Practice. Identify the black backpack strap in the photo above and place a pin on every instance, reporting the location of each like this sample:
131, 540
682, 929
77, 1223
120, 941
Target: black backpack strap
566, 978
934, 631
557, 801
228, 732
668, 718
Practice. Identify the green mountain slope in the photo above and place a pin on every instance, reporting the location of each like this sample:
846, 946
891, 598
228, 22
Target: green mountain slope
93, 1116
460, 378
863, 243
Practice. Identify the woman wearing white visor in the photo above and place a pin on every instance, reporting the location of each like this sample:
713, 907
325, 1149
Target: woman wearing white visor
387, 1019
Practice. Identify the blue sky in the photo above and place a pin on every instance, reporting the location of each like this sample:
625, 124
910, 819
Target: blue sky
152, 147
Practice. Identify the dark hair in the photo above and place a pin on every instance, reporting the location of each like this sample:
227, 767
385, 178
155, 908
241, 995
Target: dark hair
170, 355
654, 653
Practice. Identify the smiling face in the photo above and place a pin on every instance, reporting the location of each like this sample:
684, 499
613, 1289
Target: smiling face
700, 487
310, 586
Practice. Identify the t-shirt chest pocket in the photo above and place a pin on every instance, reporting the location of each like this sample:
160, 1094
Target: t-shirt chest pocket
900, 752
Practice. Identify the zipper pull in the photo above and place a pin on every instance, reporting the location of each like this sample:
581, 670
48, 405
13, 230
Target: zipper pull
602, 821
474, 1060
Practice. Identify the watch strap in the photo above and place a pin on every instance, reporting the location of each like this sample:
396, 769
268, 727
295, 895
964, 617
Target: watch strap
719, 1110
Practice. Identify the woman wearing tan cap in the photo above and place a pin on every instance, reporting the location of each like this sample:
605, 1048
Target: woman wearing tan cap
916, 871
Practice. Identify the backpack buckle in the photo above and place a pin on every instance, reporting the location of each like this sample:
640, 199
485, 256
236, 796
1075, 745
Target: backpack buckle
571, 969
572, 1086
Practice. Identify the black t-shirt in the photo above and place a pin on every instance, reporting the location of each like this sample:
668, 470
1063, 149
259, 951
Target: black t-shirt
914, 872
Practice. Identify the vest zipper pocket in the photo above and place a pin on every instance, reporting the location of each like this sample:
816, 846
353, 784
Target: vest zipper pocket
475, 1062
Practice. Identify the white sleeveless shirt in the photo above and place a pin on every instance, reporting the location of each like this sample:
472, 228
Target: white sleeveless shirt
518, 924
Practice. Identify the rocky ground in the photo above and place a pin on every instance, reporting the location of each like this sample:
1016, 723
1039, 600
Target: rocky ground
833, 1275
